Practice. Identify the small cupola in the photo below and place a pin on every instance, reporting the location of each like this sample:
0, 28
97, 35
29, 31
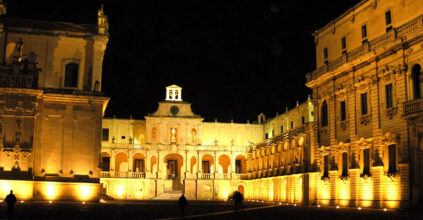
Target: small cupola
174, 93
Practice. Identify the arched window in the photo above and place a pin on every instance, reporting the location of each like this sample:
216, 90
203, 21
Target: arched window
71, 75
173, 135
324, 113
193, 136
154, 135
415, 75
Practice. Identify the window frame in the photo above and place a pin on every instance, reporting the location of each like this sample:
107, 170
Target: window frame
67, 62
364, 106
389, 99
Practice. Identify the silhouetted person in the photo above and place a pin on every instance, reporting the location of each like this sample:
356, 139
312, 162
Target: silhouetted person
182, 204
10, 200
237, 197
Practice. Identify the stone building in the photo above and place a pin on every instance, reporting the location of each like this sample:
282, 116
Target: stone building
51, 107
173, 150
366, 93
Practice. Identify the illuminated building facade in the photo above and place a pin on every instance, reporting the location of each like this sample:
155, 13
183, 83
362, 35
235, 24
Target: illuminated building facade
367, 98
174, 151
51, 108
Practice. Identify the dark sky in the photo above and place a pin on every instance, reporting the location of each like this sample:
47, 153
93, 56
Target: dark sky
233, 58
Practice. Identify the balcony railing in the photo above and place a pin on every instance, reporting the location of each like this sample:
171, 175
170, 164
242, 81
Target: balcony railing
404, 31
413, 107
117, 174
108, 145
283, 136
24, 81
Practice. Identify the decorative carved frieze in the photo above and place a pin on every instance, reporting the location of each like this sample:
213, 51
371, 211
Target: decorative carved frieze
391, 112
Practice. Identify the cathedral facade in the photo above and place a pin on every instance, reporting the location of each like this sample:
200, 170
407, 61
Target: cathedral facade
173, 151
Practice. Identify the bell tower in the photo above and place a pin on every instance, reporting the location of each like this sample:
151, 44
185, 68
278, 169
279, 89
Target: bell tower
174, 93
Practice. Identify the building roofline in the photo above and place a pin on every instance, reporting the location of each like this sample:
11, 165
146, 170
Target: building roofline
339, 17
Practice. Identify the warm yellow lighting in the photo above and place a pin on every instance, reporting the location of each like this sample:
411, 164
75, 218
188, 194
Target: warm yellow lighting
50, 191
295, 204
318, 206
280, 203
337, 206
83, 202
85, 191
22, 201
101, 200
385, 209
50, 201
359, 208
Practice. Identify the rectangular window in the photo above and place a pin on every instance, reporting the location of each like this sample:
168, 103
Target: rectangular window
363, 32
344, 164
388, 20
266, 136
344, 43
364, 104
273, 133
326, 166
392, 159
343, 111
282, 129
292, 125
123, 137
366, 161
303, 120
105, 134
325, 54
388, 95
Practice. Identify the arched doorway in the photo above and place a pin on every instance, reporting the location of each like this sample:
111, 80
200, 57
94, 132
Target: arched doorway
240, 164
174, 164
121, 162
224, 163
241, 189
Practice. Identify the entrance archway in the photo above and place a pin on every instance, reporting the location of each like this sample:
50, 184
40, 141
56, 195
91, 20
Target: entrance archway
241, 189
174, 164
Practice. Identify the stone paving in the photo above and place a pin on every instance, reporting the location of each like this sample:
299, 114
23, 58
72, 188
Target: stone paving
195, 210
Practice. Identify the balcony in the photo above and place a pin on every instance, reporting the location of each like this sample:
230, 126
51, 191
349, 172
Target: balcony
404, 32
109, 145
117, 174
413, 108
286, 135
23, 81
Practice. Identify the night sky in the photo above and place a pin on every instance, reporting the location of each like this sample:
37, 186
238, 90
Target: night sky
233, 58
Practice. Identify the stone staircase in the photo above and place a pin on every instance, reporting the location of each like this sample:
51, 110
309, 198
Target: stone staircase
169, 195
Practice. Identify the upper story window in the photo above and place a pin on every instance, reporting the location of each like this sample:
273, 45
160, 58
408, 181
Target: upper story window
388, 20
415, 75
364, 34
266, 136
364, 104
326, 166
302, 120
388, 96
325, 55
105, 136
193, 136
71, 75
154, 136
343, 111
292, 125
344, 45
282, 129
324, 108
